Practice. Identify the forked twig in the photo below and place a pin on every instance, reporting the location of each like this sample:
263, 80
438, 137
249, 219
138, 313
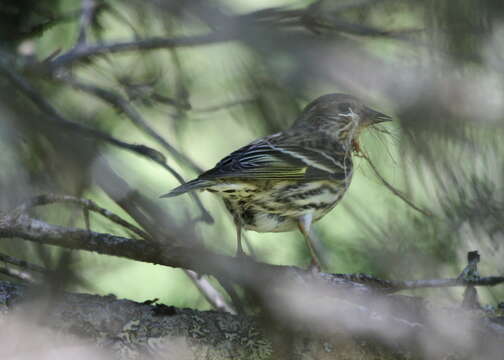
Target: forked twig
86, 204
55, 117
117, 101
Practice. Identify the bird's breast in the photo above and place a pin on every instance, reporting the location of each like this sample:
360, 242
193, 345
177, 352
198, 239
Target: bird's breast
275, 206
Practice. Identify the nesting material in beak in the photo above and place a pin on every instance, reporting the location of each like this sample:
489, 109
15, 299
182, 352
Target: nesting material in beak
375, 117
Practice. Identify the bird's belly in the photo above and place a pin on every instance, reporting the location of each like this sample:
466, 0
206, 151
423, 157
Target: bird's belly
276, 207
268, 222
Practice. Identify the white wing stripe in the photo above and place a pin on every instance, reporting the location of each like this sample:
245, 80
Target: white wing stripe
329, 157
304, 159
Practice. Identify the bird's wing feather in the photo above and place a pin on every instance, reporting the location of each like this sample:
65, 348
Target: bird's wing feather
267, 159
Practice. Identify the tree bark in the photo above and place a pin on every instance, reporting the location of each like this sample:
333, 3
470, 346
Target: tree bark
132, 330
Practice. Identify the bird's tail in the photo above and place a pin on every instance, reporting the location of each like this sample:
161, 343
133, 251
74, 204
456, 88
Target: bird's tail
192, 185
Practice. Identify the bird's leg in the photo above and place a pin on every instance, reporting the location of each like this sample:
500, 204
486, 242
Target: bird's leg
304, 224
239, 247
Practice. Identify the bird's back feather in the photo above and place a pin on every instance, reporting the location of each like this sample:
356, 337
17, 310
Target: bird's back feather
283, 156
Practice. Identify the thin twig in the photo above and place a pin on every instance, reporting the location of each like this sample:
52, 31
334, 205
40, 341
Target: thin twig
122, 104
86, 204
396, 192
302, 17
222, 106
438, 283
88, 8
211, 294
236, 302
390, 286
18, 274
20, 83
86, 52
315, 20
22, 263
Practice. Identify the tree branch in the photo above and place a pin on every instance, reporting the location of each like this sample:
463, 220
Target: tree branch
243, 271
59, 120
85, 203
86, 52
22, 264
23, 276
88, 8
54, 116
214, 297
129, 330
120, 103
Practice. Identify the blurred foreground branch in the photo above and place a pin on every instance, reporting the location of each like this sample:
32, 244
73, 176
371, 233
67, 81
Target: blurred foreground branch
23, 226
320, 309
57, 119
131, 330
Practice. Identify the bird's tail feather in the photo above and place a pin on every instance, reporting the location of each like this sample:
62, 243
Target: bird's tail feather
195, 184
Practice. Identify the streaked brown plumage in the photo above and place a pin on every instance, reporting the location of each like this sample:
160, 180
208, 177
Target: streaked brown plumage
292, 178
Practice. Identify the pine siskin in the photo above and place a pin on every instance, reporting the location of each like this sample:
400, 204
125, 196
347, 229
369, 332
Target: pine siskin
293, 178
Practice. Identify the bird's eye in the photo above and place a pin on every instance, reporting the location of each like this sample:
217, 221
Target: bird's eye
344, 107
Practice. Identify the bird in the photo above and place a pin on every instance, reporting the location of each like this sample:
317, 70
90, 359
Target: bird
293, 178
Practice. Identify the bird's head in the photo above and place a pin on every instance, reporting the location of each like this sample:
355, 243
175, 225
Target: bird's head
341, 113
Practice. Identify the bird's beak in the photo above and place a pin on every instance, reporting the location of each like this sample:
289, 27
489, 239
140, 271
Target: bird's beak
375, 117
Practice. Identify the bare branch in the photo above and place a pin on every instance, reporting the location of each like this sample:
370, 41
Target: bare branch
205, 262
211, 294
316, 20
206, 288
87, 12
86, 52
18, 274
390, 286
59, 120
303, 17
438, 283
122, 104
21, 84
21, 263
396, 192
87, 204
169, 254
222, 106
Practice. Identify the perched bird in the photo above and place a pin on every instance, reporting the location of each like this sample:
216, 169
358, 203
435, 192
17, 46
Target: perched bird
293, 178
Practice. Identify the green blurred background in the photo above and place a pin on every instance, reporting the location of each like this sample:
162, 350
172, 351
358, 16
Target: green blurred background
427, 64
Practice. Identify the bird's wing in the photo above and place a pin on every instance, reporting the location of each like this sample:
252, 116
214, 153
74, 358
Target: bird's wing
270, 158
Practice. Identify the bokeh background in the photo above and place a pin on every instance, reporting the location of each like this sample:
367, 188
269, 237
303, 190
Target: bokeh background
434, 65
